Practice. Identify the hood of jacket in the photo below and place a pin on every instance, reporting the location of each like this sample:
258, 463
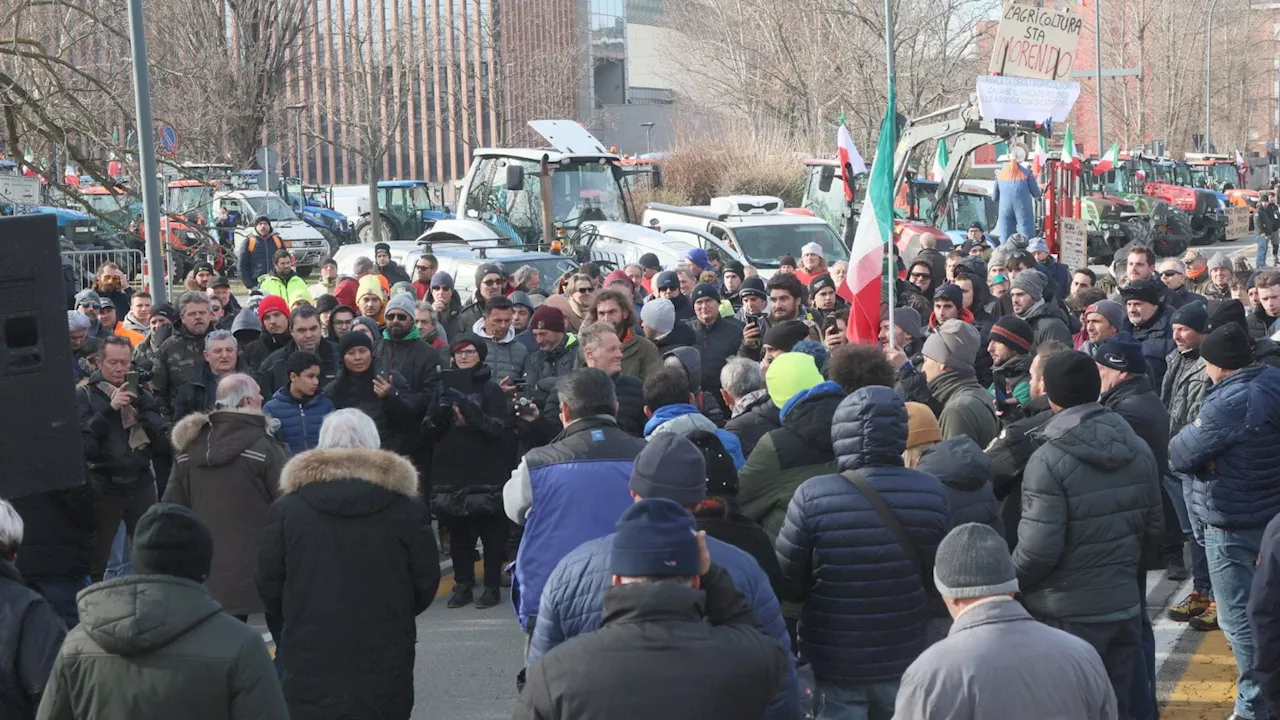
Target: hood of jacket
958, 463
142, 613
681, 418
134, 324
1016, 366
478, 328
651, 602
1266, 351
691, 360
750, 401
869, 429
809, 413
325, 470
231, 432
1091, 434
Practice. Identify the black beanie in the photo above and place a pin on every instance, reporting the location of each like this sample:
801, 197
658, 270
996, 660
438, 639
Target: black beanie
704, 290
735, 267
785, 335
172, 540
474, 341
1192, 315
355, 338
1071, 378
1228, 311
722, 476
326, 303
1227, 347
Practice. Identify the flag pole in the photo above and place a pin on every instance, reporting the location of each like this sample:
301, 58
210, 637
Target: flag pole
890, 263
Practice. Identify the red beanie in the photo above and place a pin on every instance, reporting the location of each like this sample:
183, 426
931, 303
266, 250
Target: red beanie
615, 276
271, 303
547, 318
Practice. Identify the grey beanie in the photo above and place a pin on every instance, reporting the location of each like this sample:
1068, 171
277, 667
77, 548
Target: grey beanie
659, 315
954, 344
1113, 311
521, 297
246, 320
1220, 260
403, 302
1032, 282
973, 562
672, 468
906, 319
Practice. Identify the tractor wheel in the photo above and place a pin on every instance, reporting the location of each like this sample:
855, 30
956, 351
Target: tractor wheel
1139, 232
1203, 232
364, 231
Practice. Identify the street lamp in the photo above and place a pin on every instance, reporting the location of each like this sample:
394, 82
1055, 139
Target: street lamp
1208, 78
648, 145
298, 136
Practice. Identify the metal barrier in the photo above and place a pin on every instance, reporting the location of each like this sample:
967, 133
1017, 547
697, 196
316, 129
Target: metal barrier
85, 263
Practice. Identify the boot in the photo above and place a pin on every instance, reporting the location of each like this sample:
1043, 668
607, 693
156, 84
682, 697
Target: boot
1207, 620
1177, 567
461, 595
488, 598
1191, 606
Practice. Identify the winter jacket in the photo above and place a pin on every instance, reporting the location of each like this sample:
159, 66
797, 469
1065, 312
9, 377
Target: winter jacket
33, 632
1017, 371
506, 356
113, 466
473, 459
1047, 322
754, 416
708, 404
683, 418
717, 343
565, 494
415, 360
1090, 502
197, 395
273, 373
300, 420
722, 520
1058, 274
966, 474
120, 661
865, 602
967, 408
1140, 406
542, 369
967, 675
1267, 352
292, 290
177, 362
1231, 449
1182, 296
256, 353
788, 456
681, 335
1156, 336
398, 415
58, 537
639, 356
629, 391
348, 562
1184, 387
697, 653
1009, 454
255, 259
572, 604
227, 469
469, 314
392, 271
911, 384
1264, 617
1258, 323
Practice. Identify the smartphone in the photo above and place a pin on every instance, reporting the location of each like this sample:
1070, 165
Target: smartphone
380, 368
131, 383
1002, 397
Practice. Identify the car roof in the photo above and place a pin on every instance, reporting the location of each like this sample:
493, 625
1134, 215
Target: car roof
403, 183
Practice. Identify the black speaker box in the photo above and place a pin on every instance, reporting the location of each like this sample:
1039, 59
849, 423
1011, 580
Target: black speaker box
40, 447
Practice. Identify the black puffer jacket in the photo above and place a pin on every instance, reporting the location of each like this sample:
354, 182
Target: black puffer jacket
114, 467
754, 416
474, 458
1140, 406
1009, 454
630, 393
58, 536
966, 473
1156, 336
256, 352
717, 343
273, 373
542, 369
1090, 504
33, 633
680, 336
348, 562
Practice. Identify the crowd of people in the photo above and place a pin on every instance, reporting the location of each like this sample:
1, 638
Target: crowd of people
706, 502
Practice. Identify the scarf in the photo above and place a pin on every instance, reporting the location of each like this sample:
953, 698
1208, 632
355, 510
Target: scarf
128, 418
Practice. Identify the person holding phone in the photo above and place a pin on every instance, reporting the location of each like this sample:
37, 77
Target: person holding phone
377, 392
475, 454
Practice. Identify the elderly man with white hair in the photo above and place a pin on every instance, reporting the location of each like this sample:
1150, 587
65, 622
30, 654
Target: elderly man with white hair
227, 469
347, 564
752, 412
31, 629
83, 347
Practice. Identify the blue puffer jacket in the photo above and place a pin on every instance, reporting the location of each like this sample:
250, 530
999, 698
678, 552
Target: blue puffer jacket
299, 422
683, 418
865, 606
1238, 428
573, 601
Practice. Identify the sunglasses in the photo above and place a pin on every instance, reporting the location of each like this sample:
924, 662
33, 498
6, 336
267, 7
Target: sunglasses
582, 291
491, 282
92, 305
215, 308
1169, 273
921, 275
421, 267
396, 316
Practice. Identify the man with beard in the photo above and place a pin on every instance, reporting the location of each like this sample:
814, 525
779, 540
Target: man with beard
220, 290
328, 279
1028, 301
261, 247
1174, 276
273, 314
1149, 323
181, 358
388, 268
639, 355
491, 280
1102, 321
283, 281
403, 352
305, 336
716, 338
786, 302
88, 303
1010, 347
731, 282
111, 287
949, 355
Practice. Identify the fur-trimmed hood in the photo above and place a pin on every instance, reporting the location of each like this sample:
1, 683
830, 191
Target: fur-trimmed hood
229, 433
382, 468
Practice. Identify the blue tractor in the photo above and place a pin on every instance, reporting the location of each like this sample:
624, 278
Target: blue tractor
313, 204
408, 208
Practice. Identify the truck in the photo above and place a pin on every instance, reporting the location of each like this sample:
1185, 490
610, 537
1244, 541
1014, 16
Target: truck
407, 208
314, 205
304, 242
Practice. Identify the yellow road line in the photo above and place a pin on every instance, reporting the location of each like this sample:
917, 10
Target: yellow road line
1207, 690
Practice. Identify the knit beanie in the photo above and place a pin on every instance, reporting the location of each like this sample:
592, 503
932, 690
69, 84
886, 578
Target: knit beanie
403, 302
354, 339
954, 344
1032, 282
785, 335
369, 323
813, 349
722, 475
522, 298
1227, 347
489, 269
326, 303
787, 261
1228, 311
371, 285
973, 561
812, 248
950, 292
172, 540
698, 257
704, 290
666, 280
442, 279
670, 467
547, 317
1192, 315
1112, 311
905, 319
1219, 260
789, 375
167, 311
473, 340
272, 303
77, 321
820, 282
1148, 290
1013, 332
655, 537
617, 276
659, 315
922, 426
735, 267
1071, 378
381, 247
753, 285
649, 261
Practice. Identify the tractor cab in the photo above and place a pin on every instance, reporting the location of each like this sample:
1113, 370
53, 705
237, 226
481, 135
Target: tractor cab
1172, 182
314, 205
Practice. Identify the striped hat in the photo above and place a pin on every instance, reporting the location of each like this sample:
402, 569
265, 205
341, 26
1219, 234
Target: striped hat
1014, 332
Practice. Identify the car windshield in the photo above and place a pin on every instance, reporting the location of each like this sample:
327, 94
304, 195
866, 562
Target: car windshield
970, 209
108, 203
189, 198
764, 244
273, 207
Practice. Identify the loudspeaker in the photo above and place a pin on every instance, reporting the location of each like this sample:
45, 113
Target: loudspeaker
40, 446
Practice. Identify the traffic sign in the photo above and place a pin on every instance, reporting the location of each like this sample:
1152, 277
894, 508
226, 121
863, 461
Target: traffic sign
168, 139
20, 190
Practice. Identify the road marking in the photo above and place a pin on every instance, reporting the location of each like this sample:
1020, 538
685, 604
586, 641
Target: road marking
1207, 690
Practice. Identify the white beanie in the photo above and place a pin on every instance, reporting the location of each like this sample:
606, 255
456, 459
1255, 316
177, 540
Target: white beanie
811, 248
659, 315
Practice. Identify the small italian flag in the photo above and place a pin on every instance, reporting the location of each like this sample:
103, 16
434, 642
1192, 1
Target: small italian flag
1041, 157
30, 161
851, 162
71, 176
1069, 157
875, 231
1108, 161
940, 160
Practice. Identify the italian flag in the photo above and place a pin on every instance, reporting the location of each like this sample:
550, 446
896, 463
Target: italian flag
71, 176
940, 160
1069, 157
1108, 161
875, 230
851, 162
1042, 155
30, 169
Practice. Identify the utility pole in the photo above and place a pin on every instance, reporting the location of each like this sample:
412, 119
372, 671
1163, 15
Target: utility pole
1097, 45
146, 152
648, 144
1208, 82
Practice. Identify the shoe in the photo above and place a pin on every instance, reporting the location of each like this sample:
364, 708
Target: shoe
1177, 567
1190, 607
488, 598
1207, 620
461, 595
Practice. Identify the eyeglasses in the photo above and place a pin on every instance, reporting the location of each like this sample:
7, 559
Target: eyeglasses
398, 317
466, 352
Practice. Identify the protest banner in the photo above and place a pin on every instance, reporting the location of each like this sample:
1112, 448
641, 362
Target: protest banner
1037, 43
1073, 242
1237, 222
1022, 99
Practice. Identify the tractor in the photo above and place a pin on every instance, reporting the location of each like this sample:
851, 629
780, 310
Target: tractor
314, 205
1171, 181
407, 209
1113, 199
